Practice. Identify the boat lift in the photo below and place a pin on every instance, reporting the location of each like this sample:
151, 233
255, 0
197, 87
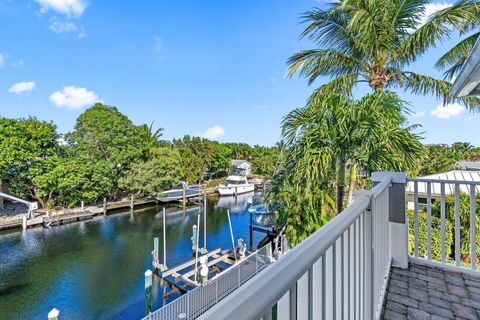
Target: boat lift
195, 271
31, 206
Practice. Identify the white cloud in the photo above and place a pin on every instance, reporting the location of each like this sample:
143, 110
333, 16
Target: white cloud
157, 43
2, 60
158, 47
68, 26
22, 87
18, 63
432, 8
61, 27
214, 132
262, 107
69, 8
72, 97
419, 114
447, 111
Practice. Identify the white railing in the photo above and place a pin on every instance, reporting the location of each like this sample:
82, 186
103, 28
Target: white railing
338, 272
198, 300
449, 207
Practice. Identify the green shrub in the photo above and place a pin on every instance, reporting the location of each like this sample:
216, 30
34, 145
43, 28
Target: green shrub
422, 236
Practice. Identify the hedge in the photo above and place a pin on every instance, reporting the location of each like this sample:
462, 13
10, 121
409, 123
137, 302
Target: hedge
422, 236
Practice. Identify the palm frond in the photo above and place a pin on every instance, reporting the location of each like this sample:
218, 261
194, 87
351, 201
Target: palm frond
461, 16
426, 85
328, 28
314, 63
408, 14
342, 85
456, 56
422, 84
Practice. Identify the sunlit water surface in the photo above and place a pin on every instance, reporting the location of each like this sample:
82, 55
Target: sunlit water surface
95, 269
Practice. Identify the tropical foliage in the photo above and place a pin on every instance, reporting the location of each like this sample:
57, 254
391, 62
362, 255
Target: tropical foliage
464, 211
328, 137
23, 141
375, 41
63, 180
436, 245
154, 175
442, 157
107, 155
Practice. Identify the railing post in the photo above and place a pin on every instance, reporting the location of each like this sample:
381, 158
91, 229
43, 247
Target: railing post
368, 263
398, 222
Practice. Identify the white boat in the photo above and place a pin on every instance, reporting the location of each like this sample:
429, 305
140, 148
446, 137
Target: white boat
235, 184
262, 215
179, 191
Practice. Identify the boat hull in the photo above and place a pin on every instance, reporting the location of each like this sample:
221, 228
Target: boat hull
177, 195
233, 190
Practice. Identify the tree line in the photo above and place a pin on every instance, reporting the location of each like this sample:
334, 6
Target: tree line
106, 155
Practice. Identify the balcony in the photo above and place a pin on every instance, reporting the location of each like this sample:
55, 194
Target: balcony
358, 266
424, 291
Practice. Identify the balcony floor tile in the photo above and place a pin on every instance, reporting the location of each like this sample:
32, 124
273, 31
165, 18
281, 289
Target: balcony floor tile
432, 293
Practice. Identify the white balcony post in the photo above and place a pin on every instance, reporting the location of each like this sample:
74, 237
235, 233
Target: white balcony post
398, 222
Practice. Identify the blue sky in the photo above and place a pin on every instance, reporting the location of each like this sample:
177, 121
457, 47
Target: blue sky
189, 66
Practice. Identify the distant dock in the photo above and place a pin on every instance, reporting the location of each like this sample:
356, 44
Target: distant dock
65, 216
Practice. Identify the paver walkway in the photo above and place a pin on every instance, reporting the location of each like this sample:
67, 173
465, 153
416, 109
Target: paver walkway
425, 292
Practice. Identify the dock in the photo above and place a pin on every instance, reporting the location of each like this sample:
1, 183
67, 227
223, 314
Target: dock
55, 218
213, 258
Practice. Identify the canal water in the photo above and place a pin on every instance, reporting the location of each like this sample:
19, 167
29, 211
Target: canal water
95, 269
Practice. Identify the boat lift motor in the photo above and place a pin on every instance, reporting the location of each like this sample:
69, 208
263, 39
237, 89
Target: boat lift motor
204, 269
241, 248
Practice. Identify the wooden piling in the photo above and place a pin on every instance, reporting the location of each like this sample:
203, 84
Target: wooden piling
205, 220
148, 290
104, 206
131, 202
251, 230
155, 252
53, 314
183, 199
164, 239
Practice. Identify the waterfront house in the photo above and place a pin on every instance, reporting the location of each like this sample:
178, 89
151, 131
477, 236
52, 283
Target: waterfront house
467, 165
425, 182
244, 167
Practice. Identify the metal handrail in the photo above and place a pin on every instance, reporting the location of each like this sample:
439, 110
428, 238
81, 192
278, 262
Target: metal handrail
251, 300
182, 304
378, 189
470, 189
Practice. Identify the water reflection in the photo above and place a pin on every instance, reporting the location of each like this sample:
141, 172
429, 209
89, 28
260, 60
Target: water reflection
234, 204
94, 269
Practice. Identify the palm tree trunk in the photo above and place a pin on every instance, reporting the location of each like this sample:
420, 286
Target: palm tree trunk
353, 182
340, 183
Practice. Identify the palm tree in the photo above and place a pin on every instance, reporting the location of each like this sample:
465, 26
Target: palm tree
151, 138
333, 132
315, 204
374, 42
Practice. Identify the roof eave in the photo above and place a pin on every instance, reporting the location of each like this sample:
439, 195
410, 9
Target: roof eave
467, 82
